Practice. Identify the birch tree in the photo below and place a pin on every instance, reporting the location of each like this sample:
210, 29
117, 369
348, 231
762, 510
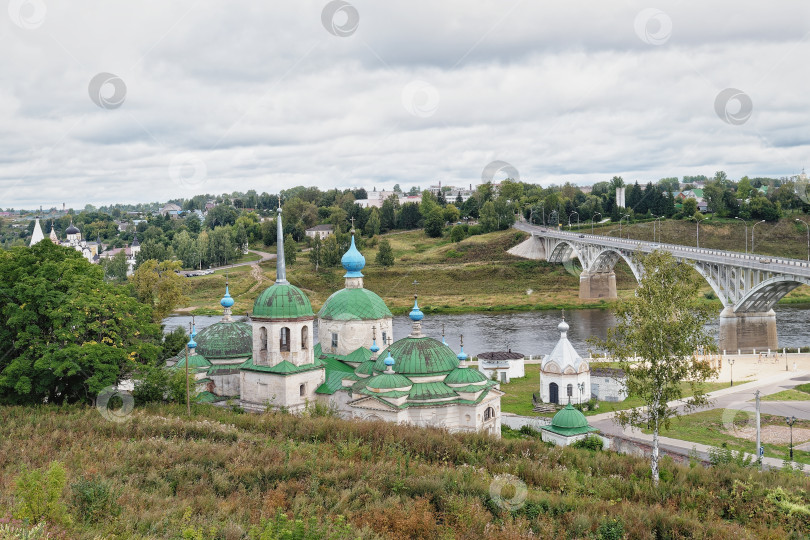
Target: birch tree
658, 333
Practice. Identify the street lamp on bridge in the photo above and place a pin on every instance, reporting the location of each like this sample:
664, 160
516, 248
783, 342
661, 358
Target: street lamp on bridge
657, 220
745, 224
620, 225
593, 216
569, 220
731, 364
697, 234
752, 233
808, 236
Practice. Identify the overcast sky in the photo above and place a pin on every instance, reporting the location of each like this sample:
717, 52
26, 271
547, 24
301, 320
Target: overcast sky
205, 96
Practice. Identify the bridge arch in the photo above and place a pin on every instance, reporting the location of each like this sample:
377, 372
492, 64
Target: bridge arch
764, 296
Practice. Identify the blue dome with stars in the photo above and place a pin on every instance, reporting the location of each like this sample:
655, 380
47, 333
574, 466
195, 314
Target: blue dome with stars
353, 261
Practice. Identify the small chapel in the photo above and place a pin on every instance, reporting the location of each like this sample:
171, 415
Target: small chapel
357, 367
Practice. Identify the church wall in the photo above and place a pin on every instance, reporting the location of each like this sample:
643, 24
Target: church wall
273, 355
563, 381
514, 368
227, 385
281, 390
352, 334
561, 440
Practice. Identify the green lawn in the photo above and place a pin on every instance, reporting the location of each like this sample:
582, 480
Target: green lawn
787, 395
707, 427
518, 395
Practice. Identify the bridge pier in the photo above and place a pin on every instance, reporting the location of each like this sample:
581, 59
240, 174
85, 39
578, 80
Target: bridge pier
595, 285
747, 331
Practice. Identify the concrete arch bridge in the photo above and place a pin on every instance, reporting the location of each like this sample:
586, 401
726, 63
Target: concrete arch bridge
748, 285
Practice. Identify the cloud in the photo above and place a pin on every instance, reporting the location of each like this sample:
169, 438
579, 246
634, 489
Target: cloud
267, 98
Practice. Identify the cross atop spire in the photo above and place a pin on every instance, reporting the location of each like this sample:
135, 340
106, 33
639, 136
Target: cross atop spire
352, 220
281, 271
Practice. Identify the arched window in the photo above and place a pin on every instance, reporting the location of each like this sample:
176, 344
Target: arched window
263, 339
489, 414
385, 339
302, 390
284, 341
569, 390
304, 335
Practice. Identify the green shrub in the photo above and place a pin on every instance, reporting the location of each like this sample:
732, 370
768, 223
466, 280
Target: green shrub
611, 529
457, 234
591, 442
152, 385
453, 254
475, 230
19, 530
284, 528
94, 500
38, 494
726, 456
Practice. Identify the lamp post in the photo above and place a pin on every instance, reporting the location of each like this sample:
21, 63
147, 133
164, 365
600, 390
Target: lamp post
745, 224
581, 387
593, 216
752, 233
808, 237
731, 363
620, 223
697, 234
657, 220
543, 207
790, 421
569, 220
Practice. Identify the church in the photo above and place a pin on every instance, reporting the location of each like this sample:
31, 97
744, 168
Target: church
357, 367
73, 239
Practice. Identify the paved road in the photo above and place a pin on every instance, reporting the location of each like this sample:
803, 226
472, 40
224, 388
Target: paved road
264, 257
737, 397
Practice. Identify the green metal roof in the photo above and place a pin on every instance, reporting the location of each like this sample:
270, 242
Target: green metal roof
333, 364
225, 340
387, 381
333, 383
358, 355
466, 375
389, 394
282, 301
223, 369
354, 305
194, 361
208, 397
569, 418
419, 356
470, 388
282, 368
366, 368
431, 390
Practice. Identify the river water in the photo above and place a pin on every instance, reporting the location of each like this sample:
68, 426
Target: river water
535, 333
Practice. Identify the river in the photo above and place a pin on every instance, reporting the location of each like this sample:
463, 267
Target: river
535, 332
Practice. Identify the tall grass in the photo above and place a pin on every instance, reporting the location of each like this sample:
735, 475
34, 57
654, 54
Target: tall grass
221, 474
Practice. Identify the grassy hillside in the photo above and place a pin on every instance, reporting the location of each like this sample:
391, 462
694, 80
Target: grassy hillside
228, 476
478, 275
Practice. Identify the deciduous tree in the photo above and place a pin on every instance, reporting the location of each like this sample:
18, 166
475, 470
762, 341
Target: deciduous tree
658, 332
158, 285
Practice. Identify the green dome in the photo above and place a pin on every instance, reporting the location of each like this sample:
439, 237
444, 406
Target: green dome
465, 376
225, 340
569, 418
388, 381
194, 361
419, 356
282, 301
353, 305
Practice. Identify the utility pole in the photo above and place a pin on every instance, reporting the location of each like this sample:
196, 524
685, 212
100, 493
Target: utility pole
759, 438
188, 391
